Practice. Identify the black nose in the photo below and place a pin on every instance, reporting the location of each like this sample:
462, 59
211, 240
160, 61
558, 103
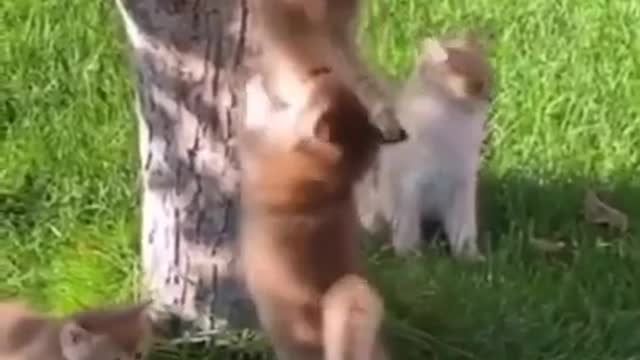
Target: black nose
402, 136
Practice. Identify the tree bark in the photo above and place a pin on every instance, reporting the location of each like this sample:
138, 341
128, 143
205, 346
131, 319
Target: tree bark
190, 59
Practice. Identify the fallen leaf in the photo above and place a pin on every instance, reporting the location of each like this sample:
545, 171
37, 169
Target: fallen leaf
597, 212
547, 246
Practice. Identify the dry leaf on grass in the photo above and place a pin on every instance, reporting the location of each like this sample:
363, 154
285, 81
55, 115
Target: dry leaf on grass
597, 212
547, 246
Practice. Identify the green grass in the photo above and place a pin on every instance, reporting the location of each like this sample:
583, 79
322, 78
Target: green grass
567, 117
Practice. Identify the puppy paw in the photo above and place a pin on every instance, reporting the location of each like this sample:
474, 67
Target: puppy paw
468, 252
405, 249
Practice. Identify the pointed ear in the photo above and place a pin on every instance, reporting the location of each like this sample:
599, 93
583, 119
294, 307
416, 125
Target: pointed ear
323, 127
138, 311
72, 335
141, 307
480, 40
345, 121
315, 122
434, 50
470, 38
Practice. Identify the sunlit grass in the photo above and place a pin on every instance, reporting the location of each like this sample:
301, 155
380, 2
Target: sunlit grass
567, 117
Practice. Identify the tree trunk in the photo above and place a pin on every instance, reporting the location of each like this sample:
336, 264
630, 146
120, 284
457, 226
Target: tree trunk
190, 57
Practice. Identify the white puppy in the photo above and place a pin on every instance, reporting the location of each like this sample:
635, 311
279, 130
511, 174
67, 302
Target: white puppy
432, 176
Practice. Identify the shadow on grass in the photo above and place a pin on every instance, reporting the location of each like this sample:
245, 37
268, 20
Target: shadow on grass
550, 207
523, 303
20, 209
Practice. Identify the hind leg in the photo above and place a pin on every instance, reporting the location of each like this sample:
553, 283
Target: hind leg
406, 221
353, 312
460, 223
289, 332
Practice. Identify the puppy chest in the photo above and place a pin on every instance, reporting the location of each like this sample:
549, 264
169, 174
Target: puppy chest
436, 186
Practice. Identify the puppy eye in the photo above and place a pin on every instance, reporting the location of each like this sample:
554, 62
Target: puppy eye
137, 356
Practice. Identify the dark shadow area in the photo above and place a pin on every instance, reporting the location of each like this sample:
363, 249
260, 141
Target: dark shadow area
550, 208
523, 303
21, 208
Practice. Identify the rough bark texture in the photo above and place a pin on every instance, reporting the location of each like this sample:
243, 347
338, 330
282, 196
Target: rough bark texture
190, 57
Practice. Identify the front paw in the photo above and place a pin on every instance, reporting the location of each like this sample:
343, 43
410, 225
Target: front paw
468, 250
387, 122
406, 248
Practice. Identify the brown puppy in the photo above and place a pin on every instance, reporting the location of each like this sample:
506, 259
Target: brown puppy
301, 154
97, 334
299, 223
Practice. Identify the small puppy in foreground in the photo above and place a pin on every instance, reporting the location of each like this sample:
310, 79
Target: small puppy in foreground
122, 333
444, 107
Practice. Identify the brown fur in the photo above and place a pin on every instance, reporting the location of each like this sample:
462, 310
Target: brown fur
301, 154
98, 334
311, 34
298, 230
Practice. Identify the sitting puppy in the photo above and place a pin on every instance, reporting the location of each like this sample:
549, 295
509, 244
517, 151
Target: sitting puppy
432, 176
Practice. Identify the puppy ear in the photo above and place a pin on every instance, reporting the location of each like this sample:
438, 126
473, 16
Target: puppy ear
478, 40
334, 114
137, 313
72, 335
141, 308
434, 51
314, 119
325, 120
323, 128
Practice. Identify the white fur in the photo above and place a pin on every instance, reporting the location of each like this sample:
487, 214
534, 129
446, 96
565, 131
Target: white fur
433, 174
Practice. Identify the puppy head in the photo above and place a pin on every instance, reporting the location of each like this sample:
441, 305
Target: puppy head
459, 66
337, 122
310, 150
106, 334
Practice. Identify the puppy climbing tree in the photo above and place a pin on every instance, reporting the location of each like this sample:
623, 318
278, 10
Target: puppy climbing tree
191, 60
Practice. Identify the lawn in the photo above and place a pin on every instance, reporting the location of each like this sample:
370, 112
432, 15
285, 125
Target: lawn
567, 118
